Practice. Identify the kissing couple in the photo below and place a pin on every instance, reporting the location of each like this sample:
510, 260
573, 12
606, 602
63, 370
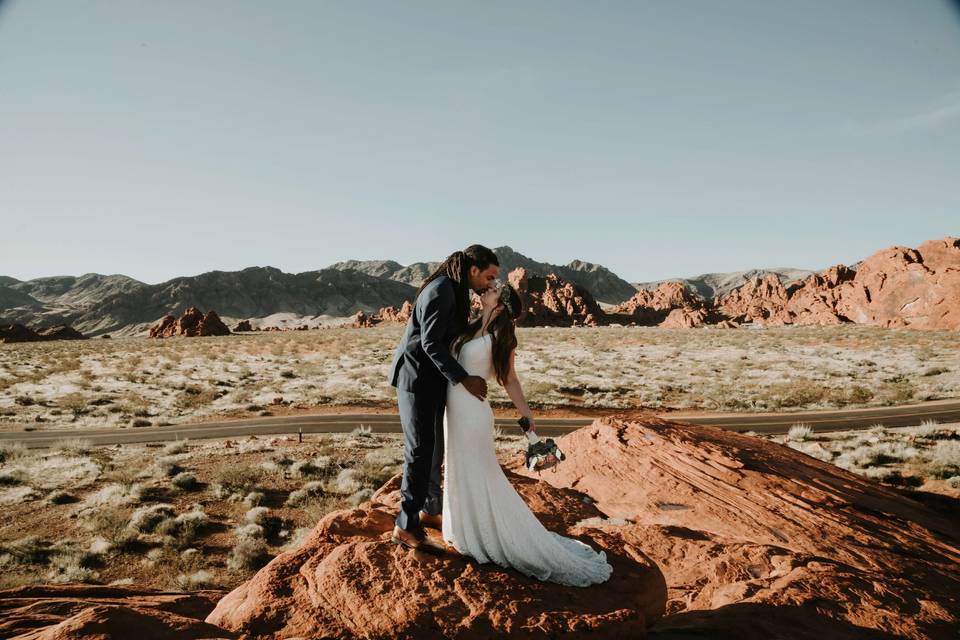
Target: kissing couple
440, 370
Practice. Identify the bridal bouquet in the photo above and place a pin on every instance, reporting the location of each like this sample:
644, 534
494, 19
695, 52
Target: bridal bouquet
544, 455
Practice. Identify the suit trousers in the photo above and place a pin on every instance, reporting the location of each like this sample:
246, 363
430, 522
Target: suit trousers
421, 417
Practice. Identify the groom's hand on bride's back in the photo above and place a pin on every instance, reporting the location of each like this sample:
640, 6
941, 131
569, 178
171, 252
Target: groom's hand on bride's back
475, 385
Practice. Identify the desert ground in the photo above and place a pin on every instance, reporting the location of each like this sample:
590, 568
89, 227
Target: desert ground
137, 382
207, 514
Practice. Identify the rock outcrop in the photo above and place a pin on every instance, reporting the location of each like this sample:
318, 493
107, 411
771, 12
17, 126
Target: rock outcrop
74, 611
386, 315
760, 301
193, 323
243, 325
20, 333
552, 302
652, 307
902, 287
755, 538
349, 581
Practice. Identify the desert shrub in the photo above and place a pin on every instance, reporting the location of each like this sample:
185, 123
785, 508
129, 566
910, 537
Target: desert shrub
12, 477
360, 496
942, 460
954, 482
372, 474
73, 566
195, 397
797, 393
75, 403
304, 493
177, 446
253, 498
140, 422
262, 517
72, 445
29, 549
345, 483
362, 431
185, 528
799, 432
168, 466
935, 371
59, 496
254, 445
185, 481
248, 555
146, 519
859, 394
10, 451
317, 467
238, 479
201, 579
296, 540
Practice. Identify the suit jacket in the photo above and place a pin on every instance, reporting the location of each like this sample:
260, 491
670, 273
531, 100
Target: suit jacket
423, 359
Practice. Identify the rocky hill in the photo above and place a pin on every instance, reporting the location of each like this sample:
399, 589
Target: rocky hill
605, 285
713, 285
97, 304
711, 534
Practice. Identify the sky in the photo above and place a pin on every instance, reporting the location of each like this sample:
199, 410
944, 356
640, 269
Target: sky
660, 139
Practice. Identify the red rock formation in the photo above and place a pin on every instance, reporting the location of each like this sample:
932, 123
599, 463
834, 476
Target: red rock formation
685, 318
761, 301
552, 302
652, 307
191, 324
348, 580
386, 315
243, 325
814, 300
903, 287
754, 537
65, 612
895, 287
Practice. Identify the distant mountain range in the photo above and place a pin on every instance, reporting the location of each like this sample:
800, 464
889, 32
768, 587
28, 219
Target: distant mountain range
96, 304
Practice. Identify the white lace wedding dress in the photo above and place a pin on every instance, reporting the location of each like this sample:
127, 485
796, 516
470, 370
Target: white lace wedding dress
483, 515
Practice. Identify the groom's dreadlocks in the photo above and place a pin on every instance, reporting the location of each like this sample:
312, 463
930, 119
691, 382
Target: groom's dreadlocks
457, 268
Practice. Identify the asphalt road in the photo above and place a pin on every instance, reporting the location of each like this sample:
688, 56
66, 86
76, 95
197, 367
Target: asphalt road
942, 411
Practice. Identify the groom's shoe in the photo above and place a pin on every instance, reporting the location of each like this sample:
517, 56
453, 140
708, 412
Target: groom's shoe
417, 539
431, 520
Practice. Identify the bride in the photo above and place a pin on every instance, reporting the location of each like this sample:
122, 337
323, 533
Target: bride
483, 515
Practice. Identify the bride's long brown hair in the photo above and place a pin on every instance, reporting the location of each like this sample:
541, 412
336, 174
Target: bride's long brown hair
504, 335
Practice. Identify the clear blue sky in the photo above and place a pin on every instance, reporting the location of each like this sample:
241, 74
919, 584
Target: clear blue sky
661, 139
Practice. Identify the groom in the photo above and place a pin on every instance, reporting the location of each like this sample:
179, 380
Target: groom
422, 366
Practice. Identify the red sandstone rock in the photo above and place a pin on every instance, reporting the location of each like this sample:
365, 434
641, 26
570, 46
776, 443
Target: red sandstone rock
191, 324
386, 315
760, 300
685, 318
754, 537
68, 611
348, 580
550, 301
243, 325
652, 307
903, 287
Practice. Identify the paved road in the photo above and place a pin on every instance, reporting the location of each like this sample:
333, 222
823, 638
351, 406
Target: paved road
943, 411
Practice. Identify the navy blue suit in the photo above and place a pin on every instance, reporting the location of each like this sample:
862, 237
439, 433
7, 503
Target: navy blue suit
421, 368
